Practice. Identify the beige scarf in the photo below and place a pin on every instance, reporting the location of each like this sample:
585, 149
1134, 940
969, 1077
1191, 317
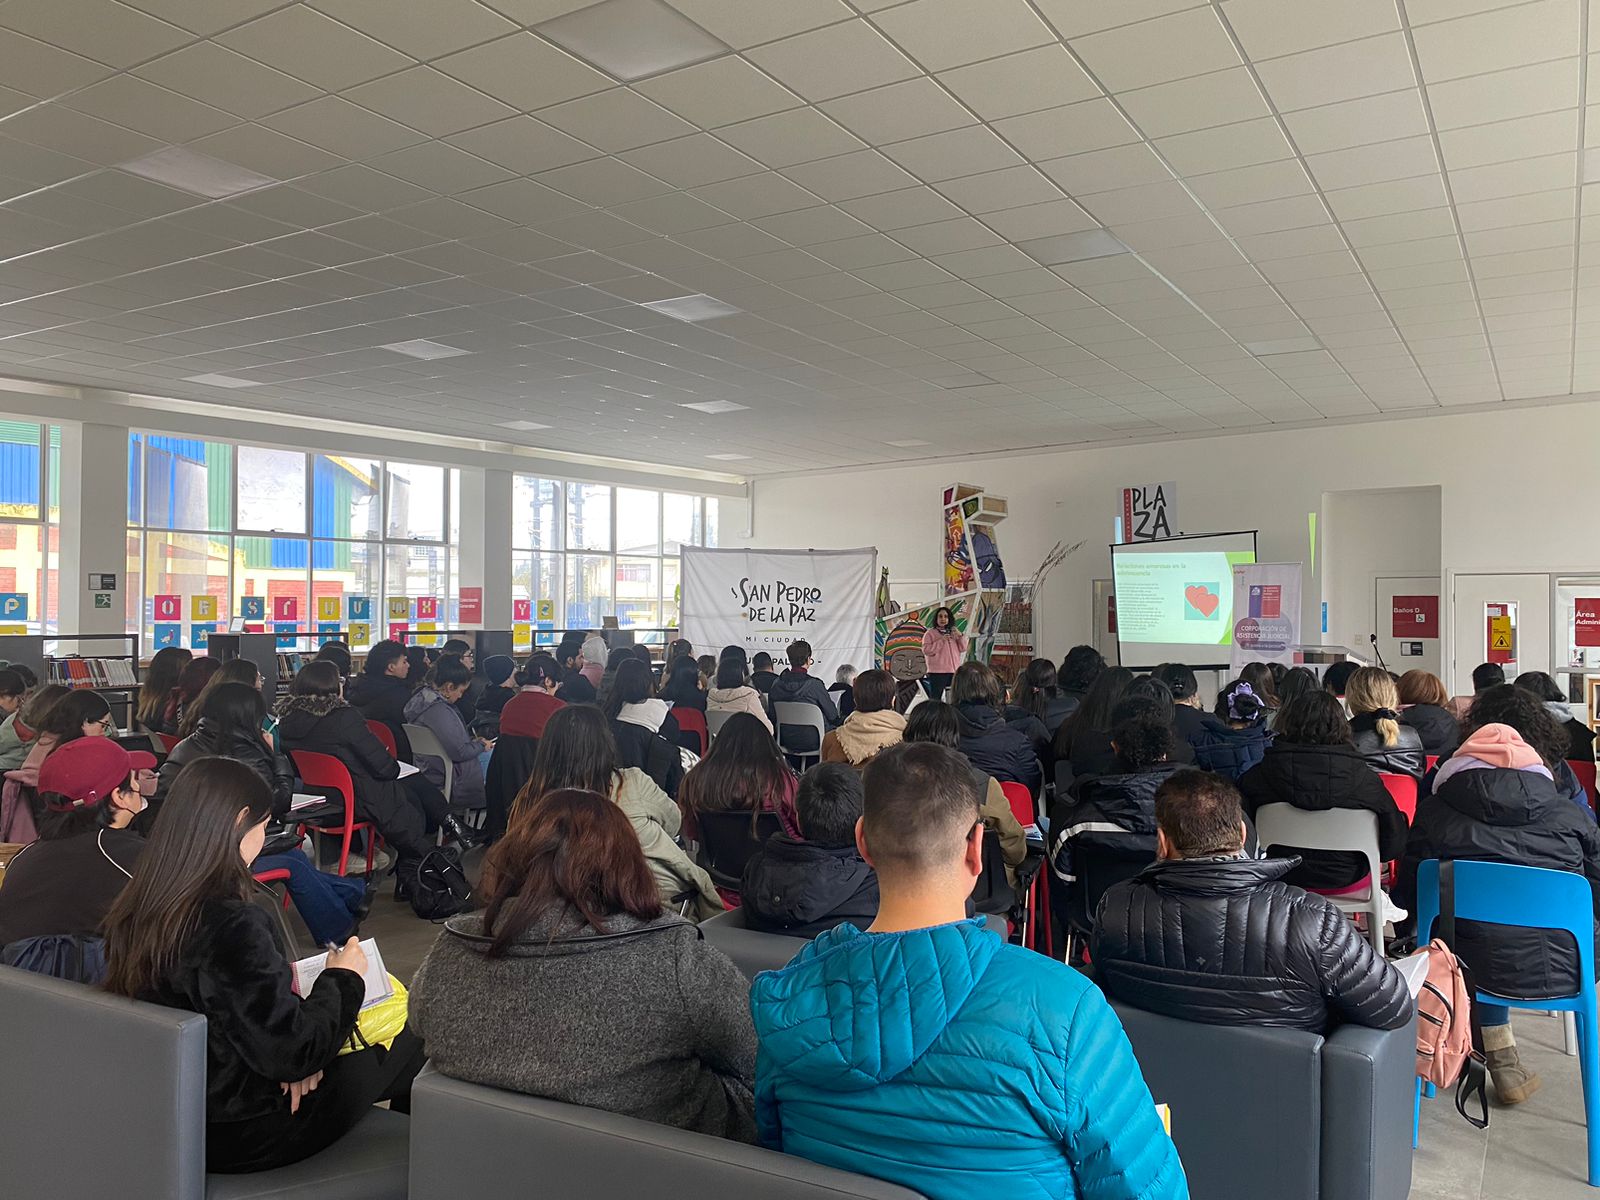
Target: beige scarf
863, 734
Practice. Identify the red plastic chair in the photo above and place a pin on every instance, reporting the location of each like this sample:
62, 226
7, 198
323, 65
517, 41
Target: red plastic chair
326, 771
169, 741
1431, 761
692, 720
385, 735
1404, 790
1583, 768
1021, 800
276, 875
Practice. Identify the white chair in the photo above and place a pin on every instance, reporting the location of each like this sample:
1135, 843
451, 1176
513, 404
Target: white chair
423, 742
716, 718
796, 713
1333, 829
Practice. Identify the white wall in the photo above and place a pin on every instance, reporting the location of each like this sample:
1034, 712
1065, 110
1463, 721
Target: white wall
1492, 518
1392, 532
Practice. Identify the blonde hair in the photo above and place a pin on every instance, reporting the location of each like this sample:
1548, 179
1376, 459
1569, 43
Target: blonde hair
1423, 687
1369, 690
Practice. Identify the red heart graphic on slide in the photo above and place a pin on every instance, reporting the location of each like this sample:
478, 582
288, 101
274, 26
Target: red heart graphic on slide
1201, 599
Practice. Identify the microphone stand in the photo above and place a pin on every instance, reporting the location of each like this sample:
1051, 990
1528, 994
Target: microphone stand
1375, 650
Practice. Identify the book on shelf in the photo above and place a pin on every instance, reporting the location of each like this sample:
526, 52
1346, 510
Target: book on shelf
92, 672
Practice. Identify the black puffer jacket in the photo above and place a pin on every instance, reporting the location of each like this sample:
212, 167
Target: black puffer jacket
803, 889
383, 698
1439, 730
1504, 815
1317, 779
651, 752
1228, 751
1224, 941
1115, 814
274, 768
995, 748
1405, 757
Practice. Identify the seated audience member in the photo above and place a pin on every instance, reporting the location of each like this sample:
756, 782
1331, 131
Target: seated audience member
679, 648
1207, 934
192, 680
1580, 738
608, 677
314, 717
1083, 743
535, 701
420, 660
500, 684
803, 884
467, 703
1232, 741
798, 686
708, 670
13, 691
762, 676
842, 689
1484, 676
743, 772
1425, 707
579, 751
984, 1068
1527, 714
944, 646
184, 933
1494, 800
160, 678
230, 727
79, 714
433, 707
988, 742
235, 670
733, 693
1114, 815
1189, 715
1079, 669
1092, 751
1387, 745
653, 1021
575, 687
522, 723
1336, 679
380, 693
338, 653
19, 730
681, 688
1037, 694
937, 722
1265, 685
871, 726
646, 733
594, 655
66, 880
1313, 764
1295, 681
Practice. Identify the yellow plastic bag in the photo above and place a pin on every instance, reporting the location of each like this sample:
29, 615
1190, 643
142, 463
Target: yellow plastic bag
382, 1023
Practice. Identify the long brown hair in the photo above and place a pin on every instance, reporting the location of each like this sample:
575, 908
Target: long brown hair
160, 677
744, 772
576, 751
235, 670
192, 857
571, 848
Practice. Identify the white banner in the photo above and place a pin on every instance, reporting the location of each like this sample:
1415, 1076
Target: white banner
1266, 613
765, 599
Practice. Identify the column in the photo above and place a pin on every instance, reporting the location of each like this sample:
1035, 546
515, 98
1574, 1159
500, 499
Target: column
485, 547
94, 527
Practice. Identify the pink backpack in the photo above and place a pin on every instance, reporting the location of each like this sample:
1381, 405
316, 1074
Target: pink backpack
1449, 1042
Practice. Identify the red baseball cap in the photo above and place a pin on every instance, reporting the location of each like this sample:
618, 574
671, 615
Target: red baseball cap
87, 770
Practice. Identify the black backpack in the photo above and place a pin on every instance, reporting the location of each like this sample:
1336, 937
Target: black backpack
441, 888
75, 957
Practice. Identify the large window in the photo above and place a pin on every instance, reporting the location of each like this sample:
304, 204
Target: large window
285, 539
583, 552
30, 526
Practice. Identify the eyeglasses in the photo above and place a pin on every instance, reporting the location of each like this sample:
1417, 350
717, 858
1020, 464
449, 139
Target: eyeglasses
104, 724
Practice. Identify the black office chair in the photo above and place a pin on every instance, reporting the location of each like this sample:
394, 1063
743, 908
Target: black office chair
1097, 868
727, 842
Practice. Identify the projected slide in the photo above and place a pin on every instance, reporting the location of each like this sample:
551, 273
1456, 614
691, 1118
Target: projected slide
1176, 595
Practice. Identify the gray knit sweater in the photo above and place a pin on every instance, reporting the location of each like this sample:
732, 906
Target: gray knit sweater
653, 1024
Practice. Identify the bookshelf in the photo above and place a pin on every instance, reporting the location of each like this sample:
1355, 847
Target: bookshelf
107, 663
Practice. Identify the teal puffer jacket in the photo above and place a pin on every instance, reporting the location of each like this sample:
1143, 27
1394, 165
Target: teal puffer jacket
951, 1063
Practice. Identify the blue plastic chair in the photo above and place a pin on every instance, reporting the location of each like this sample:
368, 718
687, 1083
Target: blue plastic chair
1535, 898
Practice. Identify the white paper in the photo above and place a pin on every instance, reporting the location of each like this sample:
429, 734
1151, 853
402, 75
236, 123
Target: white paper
379, 988
408, 769
1414, 969
305, 800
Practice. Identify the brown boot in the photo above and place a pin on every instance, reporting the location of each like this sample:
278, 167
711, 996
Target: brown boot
1513, 1082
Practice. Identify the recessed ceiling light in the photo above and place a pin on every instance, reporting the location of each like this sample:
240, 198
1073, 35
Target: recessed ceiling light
715, 406
907, 443
226, 381
423, 348
1282, 346
727, 457
631, 39
699, 307
523, 426
197, 174
1072, 247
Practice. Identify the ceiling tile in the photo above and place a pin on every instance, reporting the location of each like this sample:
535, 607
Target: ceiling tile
1031, 221
1495, 41
753, 196
957, 152
1375, 163
1503, 95
526, 72
73, 133
43, 70
1243, 185
164, 115
1074, 129
315, 48
941, 34
835, 61
217, 76
901, 209
719, 92
441, 167
784, 139
343, 128
692, 161
1220, 98
1268, 29
1334, 73
810, 226
423, 31
1502, 141
864, 173
1225, 147
1102, 170
899, 112
616, 120
108, 32
519, 200
1358, 122
604, 182
742, 24
265, 151
1074, 17
1514, 178
1187, 43
1045, 77
1012, 187
427, 100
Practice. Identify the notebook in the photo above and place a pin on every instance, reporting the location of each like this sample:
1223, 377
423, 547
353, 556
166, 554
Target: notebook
302, 800
379, 988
